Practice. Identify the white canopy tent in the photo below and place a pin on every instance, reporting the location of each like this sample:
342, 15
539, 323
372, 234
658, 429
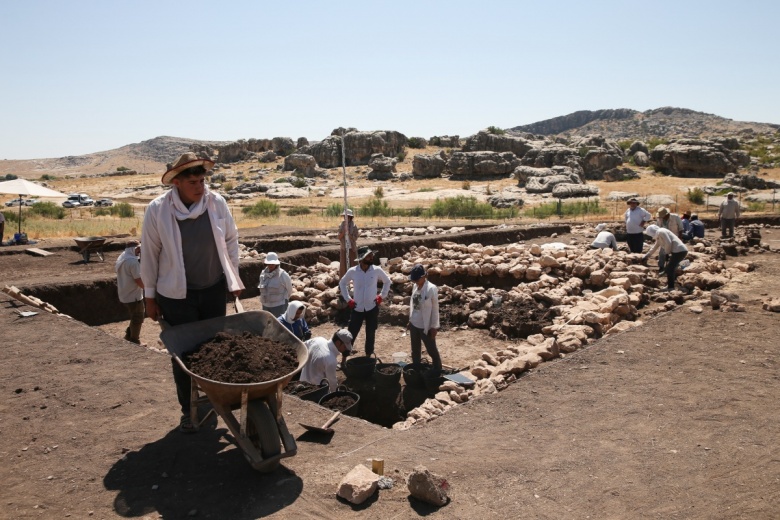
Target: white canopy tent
26, 188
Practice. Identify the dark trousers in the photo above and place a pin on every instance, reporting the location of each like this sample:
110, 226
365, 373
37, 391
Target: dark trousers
137, 313
418, 337
727, 227
199, 304
635, 242
356, 320
673, 261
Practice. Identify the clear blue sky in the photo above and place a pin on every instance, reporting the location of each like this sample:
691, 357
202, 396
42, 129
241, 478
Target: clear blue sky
83, 76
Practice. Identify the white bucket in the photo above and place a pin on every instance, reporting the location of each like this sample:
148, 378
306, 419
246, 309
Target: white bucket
399, 357
383, 262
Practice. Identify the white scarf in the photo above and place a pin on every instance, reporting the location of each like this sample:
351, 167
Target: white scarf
128, 253
182, 212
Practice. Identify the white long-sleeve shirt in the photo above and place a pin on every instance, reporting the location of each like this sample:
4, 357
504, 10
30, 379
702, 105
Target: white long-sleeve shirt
604, 240
321, 363
364, 286
424, 307
635, 218
668, 241
162, 268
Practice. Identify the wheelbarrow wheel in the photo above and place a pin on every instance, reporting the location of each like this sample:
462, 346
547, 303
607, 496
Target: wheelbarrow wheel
262, 430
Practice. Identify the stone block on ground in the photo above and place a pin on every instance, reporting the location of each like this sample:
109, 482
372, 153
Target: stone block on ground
358, 485
428, 487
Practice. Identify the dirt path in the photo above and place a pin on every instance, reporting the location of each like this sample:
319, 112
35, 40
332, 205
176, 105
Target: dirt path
675, 419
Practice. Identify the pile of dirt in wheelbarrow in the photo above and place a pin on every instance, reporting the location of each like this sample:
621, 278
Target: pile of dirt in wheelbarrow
242, 358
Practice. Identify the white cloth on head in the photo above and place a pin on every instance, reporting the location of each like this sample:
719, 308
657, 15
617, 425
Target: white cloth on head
604, 240
128, 270
321, 363
163, 265
292, 310
600, 227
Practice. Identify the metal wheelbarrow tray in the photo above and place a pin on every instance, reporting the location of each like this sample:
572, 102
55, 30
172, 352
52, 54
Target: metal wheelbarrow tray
260, 424
89, 245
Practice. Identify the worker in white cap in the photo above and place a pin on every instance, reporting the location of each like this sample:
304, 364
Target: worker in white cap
323, 355
275, 286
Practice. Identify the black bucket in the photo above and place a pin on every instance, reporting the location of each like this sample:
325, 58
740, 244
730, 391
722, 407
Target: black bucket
316, 394
351, 410
414, 374
359, 367
390, 374
432, 379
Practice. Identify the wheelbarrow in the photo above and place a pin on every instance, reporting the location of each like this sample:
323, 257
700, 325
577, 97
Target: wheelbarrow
259, 426
89, 245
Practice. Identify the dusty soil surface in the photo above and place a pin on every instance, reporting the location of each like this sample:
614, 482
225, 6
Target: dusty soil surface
674, 419
242, 358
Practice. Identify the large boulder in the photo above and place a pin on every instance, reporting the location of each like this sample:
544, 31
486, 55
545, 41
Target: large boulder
697, 158
641, 159
446, 141
304, 164
599, 160
638, 146
427, 165
470, 165
380, 163
485, 141
506, 199
620, 174
750, 181
550, 155
566, 190
359, 147
523, 173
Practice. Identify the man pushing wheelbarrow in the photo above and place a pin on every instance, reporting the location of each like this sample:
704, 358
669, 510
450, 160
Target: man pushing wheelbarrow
190, 252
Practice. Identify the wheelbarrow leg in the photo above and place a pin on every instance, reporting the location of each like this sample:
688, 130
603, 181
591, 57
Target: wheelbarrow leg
196, 399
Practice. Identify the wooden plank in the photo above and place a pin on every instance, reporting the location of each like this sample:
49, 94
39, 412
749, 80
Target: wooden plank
37, 252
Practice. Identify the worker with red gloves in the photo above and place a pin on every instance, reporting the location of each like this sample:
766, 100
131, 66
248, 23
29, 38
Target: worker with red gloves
365, 301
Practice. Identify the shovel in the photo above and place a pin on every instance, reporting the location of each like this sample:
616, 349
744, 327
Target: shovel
325, 428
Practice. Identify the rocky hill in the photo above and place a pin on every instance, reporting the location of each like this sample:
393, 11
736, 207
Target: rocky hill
147, 156
624, 123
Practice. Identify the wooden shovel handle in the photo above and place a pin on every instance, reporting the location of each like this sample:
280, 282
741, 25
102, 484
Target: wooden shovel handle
330, 421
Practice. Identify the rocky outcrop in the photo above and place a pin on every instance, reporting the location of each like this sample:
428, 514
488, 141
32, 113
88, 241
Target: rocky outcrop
304, 164
638, 146
359, 147
485, 141
382, 168
566, 190
574, 120
506, 200
553, 155
622, 123
697, 158
542, 180
302, 141
620, 174
327, 152
471, 165
598, 155
751, 182
447, 141
426, 166
243, 150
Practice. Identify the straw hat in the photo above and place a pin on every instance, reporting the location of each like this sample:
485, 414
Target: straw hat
185, 160
662, 213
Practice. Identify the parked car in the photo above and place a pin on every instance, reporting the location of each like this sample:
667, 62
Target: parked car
14, 202
30, 202
104, 202
71, 204
82, 198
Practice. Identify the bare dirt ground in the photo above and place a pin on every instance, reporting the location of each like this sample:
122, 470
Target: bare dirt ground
674, 419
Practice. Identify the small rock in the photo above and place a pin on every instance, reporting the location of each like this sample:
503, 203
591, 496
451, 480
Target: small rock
424, 485
696, 309
358, 485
